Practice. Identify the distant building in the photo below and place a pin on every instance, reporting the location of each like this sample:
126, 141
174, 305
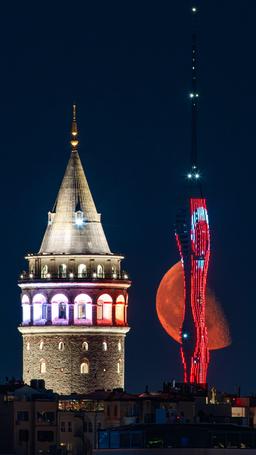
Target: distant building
74, 295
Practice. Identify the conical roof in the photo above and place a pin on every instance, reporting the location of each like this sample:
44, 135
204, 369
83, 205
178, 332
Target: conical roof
74, 226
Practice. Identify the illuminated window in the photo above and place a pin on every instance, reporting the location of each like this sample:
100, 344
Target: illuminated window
79, 218
119, 346
100, 271
100, 310
118, 366
104, 309
120, 310
84, 367
25, 299
59, 309
42, 366
62, 270
83, 309
61, 346
82, 271
104, 346
28, 346
62, 311
39, 309
85, 346
41, 345
44, 271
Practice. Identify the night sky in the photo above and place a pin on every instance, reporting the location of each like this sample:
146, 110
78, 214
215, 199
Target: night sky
127, 66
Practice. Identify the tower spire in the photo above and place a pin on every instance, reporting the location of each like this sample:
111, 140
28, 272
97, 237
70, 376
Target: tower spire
194, 97
74, 131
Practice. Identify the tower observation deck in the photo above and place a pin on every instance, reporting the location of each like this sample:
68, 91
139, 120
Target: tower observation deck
74, 295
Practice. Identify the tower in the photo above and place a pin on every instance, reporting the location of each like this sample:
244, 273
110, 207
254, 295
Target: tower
193, 239
74, 295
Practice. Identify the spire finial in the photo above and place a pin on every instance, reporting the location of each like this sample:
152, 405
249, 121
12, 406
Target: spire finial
74, 131
194, 96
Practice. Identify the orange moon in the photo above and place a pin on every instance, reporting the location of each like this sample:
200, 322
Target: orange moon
170, 310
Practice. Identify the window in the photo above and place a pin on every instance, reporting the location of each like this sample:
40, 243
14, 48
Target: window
104, 309
41, 345
70, 427
100, 271
118, 366
63, 427
84, 367
39, 309
104, 346
45, 436
42, 366
59, 309
28, 346
79, 218
25, 299
119, 346
90, 427
83, 309
62, 271
115, 410
62, 311
23, 435
45, 417
22, 416
44, 271
82, 271
85, 346
120, 310
61, 346
100, 310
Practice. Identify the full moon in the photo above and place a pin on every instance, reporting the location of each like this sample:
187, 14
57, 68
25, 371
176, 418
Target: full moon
170, 310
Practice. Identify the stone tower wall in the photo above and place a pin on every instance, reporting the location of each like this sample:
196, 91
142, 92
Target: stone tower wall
63, 366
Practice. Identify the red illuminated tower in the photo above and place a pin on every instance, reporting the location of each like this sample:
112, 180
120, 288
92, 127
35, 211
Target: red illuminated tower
193, 239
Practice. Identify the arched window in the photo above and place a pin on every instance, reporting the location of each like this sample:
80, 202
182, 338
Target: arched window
84, 367
25, 299
83, 309
39, 309
120, 310
119, 346
42, 366
61, 346
118, 366
104, 346
82, 271
100, 271
44, 271
104, 309
85, 346
28, 346
41, 345
60, 309
26, 309
62, 270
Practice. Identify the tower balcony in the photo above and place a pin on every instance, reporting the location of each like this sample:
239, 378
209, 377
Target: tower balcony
26, 277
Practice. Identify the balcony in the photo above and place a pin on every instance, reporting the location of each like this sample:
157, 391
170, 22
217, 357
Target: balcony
26, 277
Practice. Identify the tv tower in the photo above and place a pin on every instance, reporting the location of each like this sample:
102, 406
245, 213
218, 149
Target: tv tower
193, 239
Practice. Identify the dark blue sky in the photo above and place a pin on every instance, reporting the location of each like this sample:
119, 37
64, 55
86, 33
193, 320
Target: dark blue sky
127, 65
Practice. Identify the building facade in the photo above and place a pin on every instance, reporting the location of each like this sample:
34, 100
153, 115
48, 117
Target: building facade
74, 295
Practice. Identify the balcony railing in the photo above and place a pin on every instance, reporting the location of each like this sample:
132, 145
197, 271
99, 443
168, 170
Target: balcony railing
26, 277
